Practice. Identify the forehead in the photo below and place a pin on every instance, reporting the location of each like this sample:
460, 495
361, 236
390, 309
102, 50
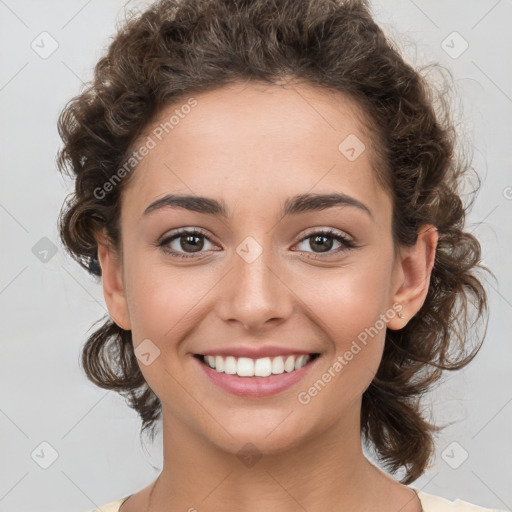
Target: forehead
259, 139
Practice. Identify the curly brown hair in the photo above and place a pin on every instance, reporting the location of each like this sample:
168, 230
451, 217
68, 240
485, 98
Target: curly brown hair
176, 48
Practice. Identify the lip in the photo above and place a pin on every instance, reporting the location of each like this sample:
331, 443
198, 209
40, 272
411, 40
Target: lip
256, 387
256, 352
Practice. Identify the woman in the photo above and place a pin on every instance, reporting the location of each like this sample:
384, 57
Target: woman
271, 201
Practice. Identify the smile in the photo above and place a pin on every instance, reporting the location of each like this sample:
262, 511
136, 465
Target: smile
263, 367
256, 378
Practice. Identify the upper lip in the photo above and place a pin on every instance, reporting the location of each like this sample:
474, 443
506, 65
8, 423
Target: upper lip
255, 352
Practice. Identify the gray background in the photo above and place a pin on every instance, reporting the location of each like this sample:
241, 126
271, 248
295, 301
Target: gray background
48, 303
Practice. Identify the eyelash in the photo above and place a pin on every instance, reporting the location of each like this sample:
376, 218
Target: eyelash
347, 244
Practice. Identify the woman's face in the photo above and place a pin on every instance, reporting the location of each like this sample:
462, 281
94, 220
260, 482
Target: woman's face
262, 274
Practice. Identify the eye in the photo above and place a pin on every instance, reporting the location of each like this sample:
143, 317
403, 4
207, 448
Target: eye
190, 240
323, 241
193, 241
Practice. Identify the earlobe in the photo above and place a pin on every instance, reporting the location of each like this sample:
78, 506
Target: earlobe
412, 275
113, 286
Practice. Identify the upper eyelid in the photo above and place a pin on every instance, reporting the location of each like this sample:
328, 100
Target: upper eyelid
170, 237
329, 231
333, 232
309, 232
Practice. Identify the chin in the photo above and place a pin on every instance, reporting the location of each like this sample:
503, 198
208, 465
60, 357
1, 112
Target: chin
262, 438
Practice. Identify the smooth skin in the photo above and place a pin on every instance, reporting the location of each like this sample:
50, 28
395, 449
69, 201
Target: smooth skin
253, 146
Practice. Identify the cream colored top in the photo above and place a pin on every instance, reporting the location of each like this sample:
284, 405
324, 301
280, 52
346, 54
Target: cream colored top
429, 503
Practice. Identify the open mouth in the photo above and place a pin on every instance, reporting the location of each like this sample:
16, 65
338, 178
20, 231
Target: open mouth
264, 367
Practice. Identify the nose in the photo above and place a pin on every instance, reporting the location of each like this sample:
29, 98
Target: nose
254, 293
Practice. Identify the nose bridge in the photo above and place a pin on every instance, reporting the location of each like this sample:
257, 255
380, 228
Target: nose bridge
253, 292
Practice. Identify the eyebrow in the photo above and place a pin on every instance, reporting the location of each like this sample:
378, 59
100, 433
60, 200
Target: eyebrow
301, 203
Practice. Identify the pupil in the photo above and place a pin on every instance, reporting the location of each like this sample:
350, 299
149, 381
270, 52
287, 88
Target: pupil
324, 238
194, 241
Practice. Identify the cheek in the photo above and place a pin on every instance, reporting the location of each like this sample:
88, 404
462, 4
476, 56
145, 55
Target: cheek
348, 306
160, 302
339, 306
163, 305
166, 303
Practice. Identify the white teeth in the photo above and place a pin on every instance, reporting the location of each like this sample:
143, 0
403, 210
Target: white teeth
219, 363
299, 363
277, 365
263, 367
247, 367
230, 365
289, 364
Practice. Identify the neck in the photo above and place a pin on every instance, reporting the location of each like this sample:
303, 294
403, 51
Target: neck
328, 470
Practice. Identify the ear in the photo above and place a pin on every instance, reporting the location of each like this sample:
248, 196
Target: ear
112, 278
411, 279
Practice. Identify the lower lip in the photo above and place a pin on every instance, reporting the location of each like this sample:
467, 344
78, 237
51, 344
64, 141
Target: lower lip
255, 386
